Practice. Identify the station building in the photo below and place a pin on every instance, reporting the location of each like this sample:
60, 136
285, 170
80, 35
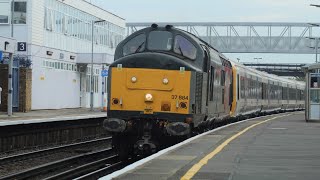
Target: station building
56, 35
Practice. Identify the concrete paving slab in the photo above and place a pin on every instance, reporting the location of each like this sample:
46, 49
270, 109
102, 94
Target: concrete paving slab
50, 116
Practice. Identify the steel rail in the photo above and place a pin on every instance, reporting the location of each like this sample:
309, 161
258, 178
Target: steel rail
41, 152
56, 165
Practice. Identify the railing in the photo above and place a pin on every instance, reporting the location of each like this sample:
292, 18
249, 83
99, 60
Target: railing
248, 37
283, 69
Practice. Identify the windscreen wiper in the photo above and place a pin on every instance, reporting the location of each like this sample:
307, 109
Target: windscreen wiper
180, 50
139, 47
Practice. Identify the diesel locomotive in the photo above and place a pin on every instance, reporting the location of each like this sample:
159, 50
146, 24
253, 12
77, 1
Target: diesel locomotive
166, 83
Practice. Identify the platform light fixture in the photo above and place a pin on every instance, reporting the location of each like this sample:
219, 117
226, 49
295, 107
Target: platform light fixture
315, 5
49, 53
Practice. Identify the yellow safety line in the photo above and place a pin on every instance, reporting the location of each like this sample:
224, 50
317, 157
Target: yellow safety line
195, 168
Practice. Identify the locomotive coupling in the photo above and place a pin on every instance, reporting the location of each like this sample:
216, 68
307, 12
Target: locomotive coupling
114, 125
178, 129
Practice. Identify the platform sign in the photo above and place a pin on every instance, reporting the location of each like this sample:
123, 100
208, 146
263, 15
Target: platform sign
104, 73
22, 46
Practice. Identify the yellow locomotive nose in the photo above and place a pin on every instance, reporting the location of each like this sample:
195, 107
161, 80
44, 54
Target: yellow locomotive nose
148, 91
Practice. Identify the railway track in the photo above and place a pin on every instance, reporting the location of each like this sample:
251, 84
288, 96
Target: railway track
75, 156
68, 168
43, 152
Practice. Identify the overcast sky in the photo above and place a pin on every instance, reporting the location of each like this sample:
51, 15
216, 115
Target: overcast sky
220, 11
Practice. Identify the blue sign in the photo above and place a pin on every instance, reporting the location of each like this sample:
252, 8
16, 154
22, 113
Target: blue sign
0, 55
104, 73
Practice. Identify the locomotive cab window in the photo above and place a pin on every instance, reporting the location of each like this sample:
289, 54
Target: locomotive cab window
184, 47
136, 44
160, 40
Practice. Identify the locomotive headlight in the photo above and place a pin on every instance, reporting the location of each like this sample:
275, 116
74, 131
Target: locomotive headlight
133, 79
148, 98
165, 81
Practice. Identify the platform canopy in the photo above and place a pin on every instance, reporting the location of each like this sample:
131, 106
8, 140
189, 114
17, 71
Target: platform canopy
98, 58
311, 67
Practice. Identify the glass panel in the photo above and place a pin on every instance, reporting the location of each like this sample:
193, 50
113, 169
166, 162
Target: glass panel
184, 47
136, 44
20, 13
160, 40
315, 81
4, 12
315, 95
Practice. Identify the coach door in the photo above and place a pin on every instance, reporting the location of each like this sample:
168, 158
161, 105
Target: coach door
207, 69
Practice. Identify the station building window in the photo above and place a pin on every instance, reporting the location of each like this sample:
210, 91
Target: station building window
4, 12
66, 20
20, 12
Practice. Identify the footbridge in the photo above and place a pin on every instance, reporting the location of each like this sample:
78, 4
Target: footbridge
255, 37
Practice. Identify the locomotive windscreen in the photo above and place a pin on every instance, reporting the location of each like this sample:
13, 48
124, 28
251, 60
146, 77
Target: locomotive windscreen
160, 40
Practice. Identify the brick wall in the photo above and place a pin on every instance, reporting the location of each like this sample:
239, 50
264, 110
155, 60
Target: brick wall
4, 86
25, 82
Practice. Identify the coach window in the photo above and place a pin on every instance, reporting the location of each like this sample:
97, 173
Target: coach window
136, 44
160, 40
184, 47
242, 85
238, 87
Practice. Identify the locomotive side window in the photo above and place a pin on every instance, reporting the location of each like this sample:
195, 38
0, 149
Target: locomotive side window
184, 47
160, 40
136, 44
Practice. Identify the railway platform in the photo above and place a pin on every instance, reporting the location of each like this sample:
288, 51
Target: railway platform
281, 146
40, 116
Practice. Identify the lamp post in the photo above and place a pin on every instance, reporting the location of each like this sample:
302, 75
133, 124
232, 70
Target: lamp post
10, 64
91, 84
257, 59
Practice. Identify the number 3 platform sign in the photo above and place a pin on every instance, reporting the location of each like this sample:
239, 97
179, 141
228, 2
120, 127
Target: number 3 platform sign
22, 46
